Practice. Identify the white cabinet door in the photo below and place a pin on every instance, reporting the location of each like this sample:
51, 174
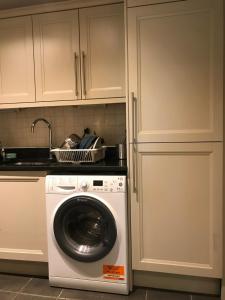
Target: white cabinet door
56, 53
22, 216
175, 70
177, 209
16, 61
103, 54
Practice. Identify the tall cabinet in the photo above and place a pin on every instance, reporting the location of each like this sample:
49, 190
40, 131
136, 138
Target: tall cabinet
175, 114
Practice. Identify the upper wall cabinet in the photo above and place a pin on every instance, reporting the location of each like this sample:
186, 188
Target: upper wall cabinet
67, 70
56, 48
175, 71
16, 61
102, 46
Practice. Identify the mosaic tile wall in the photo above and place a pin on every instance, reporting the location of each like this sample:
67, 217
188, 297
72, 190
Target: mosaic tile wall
108, 121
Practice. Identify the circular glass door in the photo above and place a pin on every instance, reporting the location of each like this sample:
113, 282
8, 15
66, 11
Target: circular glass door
85, 228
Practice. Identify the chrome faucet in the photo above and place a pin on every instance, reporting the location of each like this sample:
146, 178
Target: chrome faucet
50, 132
2, 151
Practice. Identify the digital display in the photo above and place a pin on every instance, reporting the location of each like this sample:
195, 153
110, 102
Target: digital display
98, 183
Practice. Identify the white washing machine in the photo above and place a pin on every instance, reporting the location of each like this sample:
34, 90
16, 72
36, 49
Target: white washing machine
88, 232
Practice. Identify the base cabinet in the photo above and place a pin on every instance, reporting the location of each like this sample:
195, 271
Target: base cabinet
22, 216
177, 208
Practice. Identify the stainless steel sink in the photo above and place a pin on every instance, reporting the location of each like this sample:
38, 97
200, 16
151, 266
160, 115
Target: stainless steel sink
27, 157
31, 163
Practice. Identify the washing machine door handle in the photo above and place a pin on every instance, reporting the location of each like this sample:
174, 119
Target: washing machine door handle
85, 228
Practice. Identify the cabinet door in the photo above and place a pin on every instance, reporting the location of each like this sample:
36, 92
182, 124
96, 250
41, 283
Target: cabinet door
56, 52
22, 217
175, 70
177, 209
102, 46
16, 61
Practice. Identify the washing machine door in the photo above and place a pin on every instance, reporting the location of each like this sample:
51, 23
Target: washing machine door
85, 228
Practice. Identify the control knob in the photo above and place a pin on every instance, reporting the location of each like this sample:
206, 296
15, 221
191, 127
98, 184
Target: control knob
84, 185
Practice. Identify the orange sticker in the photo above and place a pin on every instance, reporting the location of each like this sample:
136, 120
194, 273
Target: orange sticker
113, 272
112, 269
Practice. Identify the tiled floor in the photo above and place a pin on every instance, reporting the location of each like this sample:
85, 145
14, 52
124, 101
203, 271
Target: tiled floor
27, 288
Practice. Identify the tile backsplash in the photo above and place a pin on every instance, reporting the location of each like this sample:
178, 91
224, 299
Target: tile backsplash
108, 121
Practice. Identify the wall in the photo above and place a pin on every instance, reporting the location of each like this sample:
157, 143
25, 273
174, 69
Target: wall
107, 121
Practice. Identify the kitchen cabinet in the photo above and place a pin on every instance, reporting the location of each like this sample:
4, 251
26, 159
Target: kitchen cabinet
177, 209
22, 216
96, 71
16, 61
56, 48
175, 136
175, 70
102, 51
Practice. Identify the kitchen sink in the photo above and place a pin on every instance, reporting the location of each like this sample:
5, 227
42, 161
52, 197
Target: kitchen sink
31, 163
27, 157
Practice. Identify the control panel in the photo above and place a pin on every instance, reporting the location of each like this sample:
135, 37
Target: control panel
111, 184
68, 184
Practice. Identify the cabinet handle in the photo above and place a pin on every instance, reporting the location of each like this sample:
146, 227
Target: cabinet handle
134, 117
134, 136
134, 168
76, 74
83, 73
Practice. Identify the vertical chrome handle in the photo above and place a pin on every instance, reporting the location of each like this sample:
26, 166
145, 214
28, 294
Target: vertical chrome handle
134, 117
134, 137
76, 74
134, 168
83, 73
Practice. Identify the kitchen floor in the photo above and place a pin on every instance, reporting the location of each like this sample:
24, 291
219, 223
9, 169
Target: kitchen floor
28, 288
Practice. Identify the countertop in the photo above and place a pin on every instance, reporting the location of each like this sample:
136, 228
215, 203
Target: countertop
35, 159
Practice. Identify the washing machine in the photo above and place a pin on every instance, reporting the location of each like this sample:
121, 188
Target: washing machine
87, 232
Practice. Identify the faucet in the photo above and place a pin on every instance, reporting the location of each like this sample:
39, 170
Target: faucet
2, 151
50, 132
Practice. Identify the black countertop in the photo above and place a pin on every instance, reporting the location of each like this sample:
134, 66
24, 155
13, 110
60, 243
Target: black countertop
36, 159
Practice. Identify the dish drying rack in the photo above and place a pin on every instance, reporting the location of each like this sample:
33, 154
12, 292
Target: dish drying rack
77, 156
